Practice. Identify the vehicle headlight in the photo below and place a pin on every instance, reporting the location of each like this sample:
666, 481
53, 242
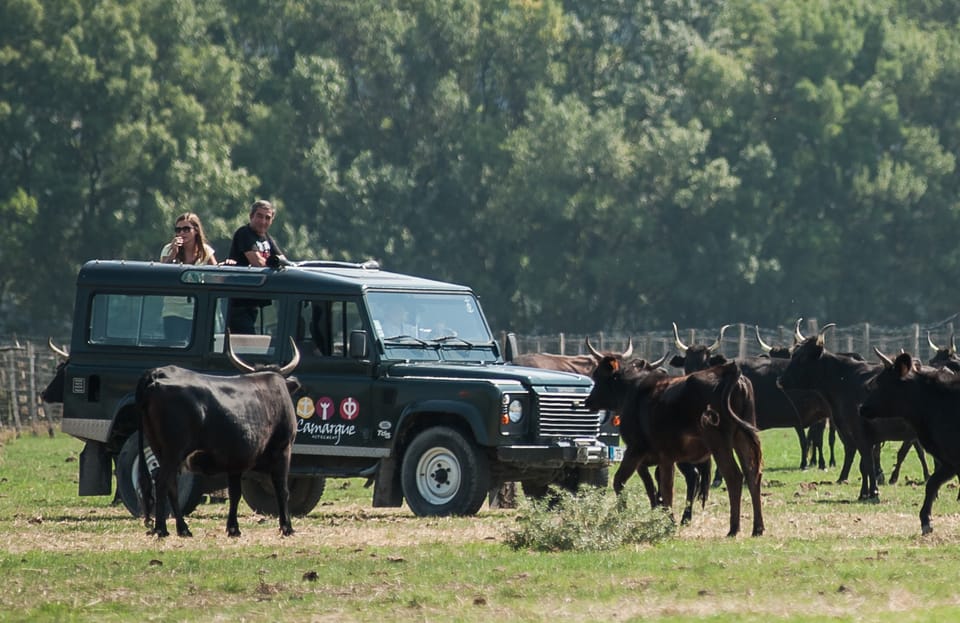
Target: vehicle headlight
515, 410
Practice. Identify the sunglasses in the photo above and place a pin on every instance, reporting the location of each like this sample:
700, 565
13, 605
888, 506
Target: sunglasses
182, 230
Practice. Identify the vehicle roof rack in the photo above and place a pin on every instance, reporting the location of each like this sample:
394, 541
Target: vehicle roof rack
367, 265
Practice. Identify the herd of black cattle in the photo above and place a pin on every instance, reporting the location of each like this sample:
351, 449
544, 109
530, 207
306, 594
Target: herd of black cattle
716, 408
713, 411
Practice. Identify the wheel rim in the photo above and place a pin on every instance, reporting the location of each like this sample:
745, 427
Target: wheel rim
438, 476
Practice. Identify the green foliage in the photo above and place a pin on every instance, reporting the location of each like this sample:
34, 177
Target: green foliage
589, 520
585, 166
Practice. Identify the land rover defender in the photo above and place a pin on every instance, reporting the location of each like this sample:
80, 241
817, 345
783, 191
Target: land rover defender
403, 383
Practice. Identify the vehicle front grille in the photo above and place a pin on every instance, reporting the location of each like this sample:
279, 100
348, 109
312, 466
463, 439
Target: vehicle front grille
563, 415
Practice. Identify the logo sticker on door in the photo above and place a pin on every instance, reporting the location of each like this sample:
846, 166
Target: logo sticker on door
349, 408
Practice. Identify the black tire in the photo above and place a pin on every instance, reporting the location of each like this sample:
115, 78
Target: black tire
189, 489
443, 474
305, 494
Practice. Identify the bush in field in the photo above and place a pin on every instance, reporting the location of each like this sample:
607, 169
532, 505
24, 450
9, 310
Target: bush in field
590, 520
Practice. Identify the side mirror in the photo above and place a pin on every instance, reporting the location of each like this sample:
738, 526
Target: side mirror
510, 347
359, 345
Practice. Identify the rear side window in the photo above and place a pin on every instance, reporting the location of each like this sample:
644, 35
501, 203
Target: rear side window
141, 320
325, 325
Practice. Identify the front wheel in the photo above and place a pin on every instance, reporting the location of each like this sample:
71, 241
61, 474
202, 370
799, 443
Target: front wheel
189, 491
305, 493
443, 473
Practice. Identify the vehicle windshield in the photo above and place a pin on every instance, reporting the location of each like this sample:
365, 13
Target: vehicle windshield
430, 326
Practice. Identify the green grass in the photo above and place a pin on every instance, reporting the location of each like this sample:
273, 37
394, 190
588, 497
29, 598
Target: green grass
824, 557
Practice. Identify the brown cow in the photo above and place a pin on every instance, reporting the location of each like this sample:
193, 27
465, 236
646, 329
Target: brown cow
665, 420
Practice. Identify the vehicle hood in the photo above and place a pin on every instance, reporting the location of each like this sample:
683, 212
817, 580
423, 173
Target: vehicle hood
493, 371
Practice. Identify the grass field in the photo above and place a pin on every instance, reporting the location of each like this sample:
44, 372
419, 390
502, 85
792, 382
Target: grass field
824, 557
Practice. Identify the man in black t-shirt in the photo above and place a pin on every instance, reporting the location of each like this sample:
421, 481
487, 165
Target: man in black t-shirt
253, 246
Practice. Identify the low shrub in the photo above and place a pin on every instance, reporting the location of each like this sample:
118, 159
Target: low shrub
589, 520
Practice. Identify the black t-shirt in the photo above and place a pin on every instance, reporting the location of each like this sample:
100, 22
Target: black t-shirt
245, 239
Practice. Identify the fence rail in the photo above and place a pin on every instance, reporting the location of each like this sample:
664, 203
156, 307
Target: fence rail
27, 366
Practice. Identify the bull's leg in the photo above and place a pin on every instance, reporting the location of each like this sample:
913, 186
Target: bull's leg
727, 466
901, 456
922, 456
665, 473
832, 442
629, 464
233, 492
173, 495
940, 475
280, 485
849, 451
691, 475
868, 475
166, 484
804, 446
751, 461
648, 485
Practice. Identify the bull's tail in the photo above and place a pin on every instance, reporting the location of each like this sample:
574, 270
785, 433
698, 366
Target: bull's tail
735, 384
143, 475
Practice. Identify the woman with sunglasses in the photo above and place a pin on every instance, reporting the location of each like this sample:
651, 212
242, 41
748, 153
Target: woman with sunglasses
189, 244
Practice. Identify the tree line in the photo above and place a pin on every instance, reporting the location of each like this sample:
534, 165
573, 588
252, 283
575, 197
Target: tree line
583, 165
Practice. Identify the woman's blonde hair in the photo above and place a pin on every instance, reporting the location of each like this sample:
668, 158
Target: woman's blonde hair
202, 245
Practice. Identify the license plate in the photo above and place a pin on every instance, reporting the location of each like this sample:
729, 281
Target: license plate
615, 453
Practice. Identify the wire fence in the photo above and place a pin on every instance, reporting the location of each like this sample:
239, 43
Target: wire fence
740, 340
27, 366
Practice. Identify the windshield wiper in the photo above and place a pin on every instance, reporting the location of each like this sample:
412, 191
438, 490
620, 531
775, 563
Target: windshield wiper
404, 339
450, 338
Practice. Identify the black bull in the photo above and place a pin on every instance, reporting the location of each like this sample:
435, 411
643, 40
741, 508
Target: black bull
665, 420
215, 425
929, 400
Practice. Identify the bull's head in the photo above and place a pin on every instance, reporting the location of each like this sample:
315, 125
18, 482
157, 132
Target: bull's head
246, 367
698, 356
944, 356
53, 393
780, 352
597, 355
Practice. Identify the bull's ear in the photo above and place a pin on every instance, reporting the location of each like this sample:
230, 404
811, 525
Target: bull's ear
903, 364
717, 360
677, 361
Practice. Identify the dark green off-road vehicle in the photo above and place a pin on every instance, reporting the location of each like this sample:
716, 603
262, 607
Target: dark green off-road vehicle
403, 383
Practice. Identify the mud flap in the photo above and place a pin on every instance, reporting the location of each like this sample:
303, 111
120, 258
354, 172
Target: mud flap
96, 473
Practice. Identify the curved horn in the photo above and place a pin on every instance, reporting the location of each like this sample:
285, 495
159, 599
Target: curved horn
716, 345
676, 337
593, 351
763, 345
232, 356
629, 350
886, 360
658, 362
294, 362
823, 331
59, 351
797, 336
953, 346
930, 342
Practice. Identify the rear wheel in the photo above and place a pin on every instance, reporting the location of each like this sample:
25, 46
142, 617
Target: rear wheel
305, 494
189, 490
443, 473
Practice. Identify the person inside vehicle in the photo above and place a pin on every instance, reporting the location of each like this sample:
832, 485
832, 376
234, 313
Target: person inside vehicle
253, 246
188, 246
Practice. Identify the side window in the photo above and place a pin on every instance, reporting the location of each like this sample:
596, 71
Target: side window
141, 320
325, 326
252, 322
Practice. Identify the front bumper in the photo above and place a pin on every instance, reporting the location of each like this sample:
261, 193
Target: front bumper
574, 452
